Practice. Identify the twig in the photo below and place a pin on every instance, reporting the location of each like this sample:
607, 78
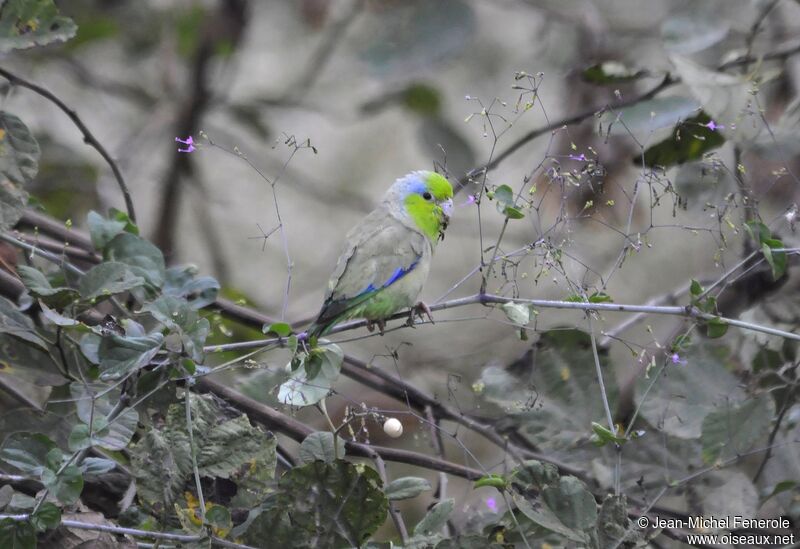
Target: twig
397, 518
668, 81
88, 137
135, 532
193, 452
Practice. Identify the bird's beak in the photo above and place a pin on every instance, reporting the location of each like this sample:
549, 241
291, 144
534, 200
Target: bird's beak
447, 209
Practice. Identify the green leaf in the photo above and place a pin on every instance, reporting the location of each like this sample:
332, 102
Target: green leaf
107, 279
228, 447
435, 519
19, 163
518, 313
319, 446
321, 504
120, 355
142, 257
17, 534
18, 324
38, 285
67, 486
19, 151
47, 517
600, 297
97, 466
176, 314
571, 502
690, 140
183, 282
102, 230
20, 360
302, 389
540, 401
730, 431
26, 451
544, 517
219, 517
776, 260
280, 329
603, 436
406, 488
611, 72
504, 196
564, 506
695, 288
79, 438
783, 486
421, 99
495, 481
28, 23
681, 398
716, 327
686, 34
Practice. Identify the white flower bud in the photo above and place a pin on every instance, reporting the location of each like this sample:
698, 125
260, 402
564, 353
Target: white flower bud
393, 427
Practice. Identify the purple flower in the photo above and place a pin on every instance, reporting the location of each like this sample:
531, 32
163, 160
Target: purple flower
676, 359
580, 158
713, 126
491, 503
469, 201
189, 142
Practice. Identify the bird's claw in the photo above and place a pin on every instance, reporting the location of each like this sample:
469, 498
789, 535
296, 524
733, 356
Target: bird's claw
421, 310
381, 324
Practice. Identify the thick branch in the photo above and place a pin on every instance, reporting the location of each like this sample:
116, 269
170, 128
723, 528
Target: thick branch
298, 431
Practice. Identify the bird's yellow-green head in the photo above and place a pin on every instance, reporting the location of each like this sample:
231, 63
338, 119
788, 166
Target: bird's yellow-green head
426, 198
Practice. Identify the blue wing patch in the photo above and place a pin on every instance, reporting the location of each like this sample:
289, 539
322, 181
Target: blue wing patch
399, 273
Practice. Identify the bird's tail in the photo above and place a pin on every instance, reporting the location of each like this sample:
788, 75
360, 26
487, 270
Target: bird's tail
317, 329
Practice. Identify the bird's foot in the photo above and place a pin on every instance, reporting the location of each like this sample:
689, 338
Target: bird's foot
421, 310
381, 324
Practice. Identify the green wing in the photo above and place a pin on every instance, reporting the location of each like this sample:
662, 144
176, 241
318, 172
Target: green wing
379, 251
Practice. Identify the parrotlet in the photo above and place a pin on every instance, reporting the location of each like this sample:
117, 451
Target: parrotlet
387, 256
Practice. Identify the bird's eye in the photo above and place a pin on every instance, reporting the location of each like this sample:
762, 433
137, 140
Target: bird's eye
426, 195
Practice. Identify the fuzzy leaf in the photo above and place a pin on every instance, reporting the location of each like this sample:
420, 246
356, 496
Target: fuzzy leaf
227, 447
107, 279
729, 431
141, 257
319, 446
305, 389
321, 504
17, 534
198, 291
38, 285
17, 324
120, 355
19, 163
435, 519
28, 23
406, 488
26, 451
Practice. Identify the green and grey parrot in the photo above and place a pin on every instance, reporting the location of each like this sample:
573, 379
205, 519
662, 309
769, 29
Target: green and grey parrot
387, 256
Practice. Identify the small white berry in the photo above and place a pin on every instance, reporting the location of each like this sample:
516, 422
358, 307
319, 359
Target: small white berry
393, 427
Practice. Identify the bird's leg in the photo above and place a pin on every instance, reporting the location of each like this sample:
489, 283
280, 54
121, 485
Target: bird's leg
421, 310
381, 325
370, 326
